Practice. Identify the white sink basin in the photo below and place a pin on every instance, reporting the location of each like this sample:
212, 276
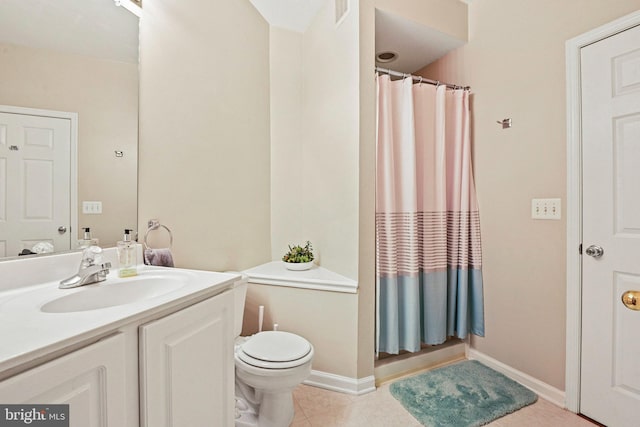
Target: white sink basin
114, 292
37, 318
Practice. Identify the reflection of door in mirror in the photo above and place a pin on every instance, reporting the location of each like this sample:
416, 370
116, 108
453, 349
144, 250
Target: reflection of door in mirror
35, 167
80, 56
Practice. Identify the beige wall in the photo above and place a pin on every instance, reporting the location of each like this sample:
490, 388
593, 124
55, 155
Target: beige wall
288, 178
367, 192
515, 63
105, 96
314, 145
204, 131
314, 180
330, 66
326, 319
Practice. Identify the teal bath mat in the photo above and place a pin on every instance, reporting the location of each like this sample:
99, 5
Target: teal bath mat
465, 394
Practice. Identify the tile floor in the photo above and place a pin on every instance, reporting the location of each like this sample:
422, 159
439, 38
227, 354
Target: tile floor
316, 407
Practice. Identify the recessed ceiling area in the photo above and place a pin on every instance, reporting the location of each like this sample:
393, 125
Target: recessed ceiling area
96, 28
292, 15
415, 45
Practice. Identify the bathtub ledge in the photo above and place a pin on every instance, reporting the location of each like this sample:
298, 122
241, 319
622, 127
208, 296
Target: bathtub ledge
319, 278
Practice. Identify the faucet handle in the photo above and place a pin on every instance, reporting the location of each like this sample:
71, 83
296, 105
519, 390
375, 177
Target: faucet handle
91, 256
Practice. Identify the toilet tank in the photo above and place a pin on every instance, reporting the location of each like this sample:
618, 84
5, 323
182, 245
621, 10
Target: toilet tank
240, 294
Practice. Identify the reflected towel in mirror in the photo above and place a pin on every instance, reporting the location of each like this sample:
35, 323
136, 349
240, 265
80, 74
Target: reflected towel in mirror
159, 257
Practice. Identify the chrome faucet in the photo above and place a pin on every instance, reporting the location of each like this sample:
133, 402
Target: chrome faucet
92, 269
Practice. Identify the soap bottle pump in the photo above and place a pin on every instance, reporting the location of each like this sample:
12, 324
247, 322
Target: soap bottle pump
127, 260
87, 240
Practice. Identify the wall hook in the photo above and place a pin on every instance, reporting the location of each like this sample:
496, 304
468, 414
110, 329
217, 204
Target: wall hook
506, 123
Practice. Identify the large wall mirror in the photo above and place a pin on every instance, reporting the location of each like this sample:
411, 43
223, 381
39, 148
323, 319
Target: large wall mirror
78, 57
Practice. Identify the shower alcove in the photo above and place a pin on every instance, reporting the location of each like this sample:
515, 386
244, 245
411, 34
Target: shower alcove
409, 47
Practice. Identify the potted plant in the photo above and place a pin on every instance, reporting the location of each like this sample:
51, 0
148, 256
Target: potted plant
299, 257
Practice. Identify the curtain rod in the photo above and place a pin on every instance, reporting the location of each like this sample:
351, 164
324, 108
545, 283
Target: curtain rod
419, 79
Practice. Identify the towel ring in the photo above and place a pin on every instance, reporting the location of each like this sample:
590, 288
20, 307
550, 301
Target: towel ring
154, 224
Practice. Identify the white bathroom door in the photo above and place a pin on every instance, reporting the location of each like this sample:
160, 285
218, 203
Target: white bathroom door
610, 354
35, 180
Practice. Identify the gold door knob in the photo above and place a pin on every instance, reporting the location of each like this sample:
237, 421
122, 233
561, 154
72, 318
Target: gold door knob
631, 300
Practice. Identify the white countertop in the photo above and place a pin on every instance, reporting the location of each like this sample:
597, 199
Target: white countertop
275, 273
28, 333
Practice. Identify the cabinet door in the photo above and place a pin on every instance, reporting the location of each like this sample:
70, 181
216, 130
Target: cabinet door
187, 369
90, 380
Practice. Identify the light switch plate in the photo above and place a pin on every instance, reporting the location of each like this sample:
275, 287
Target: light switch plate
546, 209
92, 208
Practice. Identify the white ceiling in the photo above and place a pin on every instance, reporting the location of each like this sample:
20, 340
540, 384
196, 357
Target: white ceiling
416, 45
95, 28
293, 15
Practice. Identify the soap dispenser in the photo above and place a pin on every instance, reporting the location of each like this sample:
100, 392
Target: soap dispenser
127, 259
87, 240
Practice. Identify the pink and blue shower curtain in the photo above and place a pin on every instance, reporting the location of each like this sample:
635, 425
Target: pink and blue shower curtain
428, 254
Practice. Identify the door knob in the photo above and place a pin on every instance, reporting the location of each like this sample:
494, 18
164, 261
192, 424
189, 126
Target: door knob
62, 229
595, 251
631, 300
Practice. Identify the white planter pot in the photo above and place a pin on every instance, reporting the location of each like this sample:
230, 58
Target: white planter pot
298, 266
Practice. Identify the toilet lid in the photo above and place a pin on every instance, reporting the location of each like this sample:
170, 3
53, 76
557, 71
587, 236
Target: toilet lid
276, 346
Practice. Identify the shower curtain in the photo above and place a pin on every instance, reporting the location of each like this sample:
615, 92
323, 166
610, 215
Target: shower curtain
428, 254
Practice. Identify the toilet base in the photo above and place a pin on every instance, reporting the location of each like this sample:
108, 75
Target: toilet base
247, 420
246, 415
274, 409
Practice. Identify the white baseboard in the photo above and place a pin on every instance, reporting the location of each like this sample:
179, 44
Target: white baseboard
341, 384
544, 390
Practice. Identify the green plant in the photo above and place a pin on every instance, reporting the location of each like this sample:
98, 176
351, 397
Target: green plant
298, 253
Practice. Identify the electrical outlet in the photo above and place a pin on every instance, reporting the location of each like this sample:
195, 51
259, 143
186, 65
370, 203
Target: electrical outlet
546, 209
92, 208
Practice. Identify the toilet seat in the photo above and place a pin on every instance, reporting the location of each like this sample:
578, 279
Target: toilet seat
275, 350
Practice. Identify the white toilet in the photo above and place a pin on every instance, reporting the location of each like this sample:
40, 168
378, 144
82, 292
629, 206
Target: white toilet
269, 365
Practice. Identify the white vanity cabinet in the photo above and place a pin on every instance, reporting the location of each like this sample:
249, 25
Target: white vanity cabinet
172, 366
91, 380
187, 366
